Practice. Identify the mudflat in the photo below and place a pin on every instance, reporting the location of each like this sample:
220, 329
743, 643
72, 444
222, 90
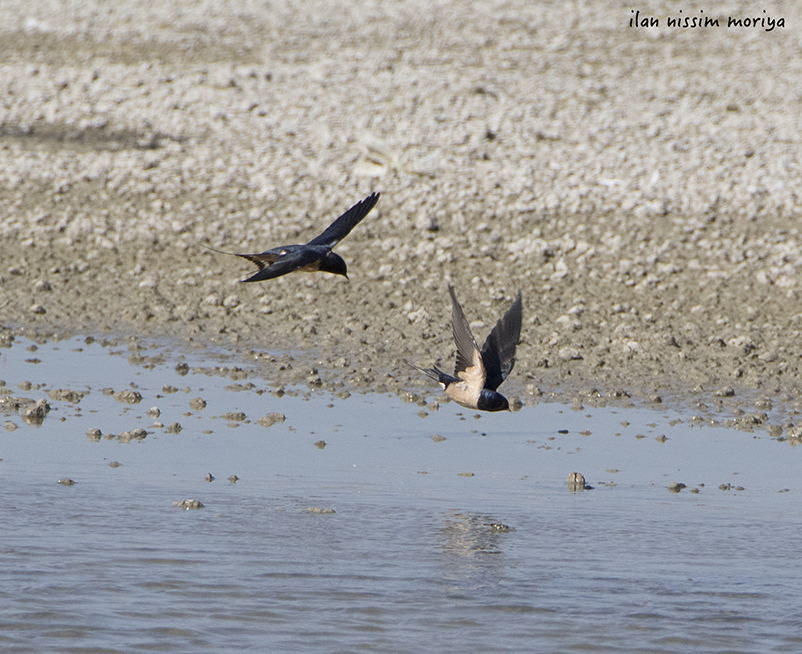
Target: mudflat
639, 185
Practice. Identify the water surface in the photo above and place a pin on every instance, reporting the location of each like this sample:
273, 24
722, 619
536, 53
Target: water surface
409, 560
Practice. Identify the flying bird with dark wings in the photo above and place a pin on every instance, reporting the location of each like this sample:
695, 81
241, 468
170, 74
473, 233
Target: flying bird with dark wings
478, 373
316, 255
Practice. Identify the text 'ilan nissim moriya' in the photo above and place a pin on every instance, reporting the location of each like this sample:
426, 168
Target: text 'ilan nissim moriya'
765, 22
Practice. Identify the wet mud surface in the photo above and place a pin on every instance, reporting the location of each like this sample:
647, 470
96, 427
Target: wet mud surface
639, 187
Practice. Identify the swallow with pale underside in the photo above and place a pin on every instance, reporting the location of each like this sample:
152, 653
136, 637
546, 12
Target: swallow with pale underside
315, 256
478, 373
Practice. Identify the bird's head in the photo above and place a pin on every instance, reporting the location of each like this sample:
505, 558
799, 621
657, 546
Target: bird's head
492, 401
334, 264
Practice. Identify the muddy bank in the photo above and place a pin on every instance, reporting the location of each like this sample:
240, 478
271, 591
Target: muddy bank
639, 187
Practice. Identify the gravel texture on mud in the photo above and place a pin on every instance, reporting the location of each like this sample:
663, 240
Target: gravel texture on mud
639, 185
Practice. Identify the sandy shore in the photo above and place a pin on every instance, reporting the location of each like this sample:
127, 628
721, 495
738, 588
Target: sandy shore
640, 186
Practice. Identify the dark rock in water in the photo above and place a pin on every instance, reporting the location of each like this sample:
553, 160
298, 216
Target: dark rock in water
499, 527
188, 504
576, 482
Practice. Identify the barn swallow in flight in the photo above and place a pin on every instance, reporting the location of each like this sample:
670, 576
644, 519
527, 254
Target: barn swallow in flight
478, 374
315, 255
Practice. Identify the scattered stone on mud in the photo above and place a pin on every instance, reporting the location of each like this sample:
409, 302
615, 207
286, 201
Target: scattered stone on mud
154, 412
662, 438
182, 369
233, 479
93, 434
676, 486
66, 482
174, 428
133, 435
197, 404
320, 445
114, 464
10, 426
66, 395
465, 474
8, 403
271, 419
209, 477
316, 509
169, 390
35, 415
128, 396
437, 438
188, 504
234, 416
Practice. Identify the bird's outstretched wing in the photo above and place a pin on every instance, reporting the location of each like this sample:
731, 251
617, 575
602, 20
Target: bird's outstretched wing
341, 227
469, 366
498, 352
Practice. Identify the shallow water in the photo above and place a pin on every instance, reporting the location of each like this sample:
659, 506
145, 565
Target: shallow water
408, 561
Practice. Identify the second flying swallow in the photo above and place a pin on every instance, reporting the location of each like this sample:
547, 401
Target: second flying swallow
478, 373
